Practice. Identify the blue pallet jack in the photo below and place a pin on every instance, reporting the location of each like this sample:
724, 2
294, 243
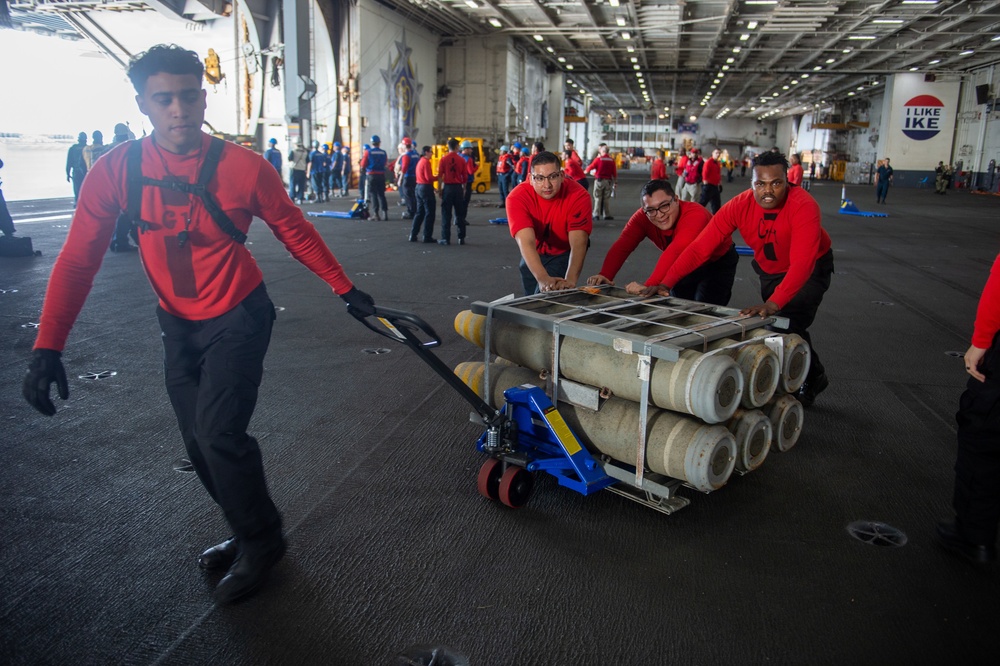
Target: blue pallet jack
525, 436
847, 207
359, 211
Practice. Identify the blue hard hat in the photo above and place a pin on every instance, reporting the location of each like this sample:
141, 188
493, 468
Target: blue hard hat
272, 141
504, 149
517, 144
367, 147
466, 144
375, 139
336, 144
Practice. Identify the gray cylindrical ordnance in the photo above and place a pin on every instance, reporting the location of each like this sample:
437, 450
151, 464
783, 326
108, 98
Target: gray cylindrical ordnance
753, 432
677, 446
786, 415
708, 386
761, 369
794, 362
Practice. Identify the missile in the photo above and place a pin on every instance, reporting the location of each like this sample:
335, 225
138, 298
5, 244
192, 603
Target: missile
795, 359
709, 386
753, 432
761, 369
786, 415
676, 446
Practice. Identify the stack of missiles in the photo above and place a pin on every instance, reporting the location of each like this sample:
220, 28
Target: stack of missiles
710, 412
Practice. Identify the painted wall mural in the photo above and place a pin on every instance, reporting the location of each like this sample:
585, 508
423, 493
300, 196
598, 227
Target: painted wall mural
402, 95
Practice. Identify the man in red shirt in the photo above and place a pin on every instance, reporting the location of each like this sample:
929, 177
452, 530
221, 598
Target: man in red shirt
711, 183
606, 178
795, 171
549, 217
658, 170
973, 533
573, 164
792, 255
424, 195
672, 225
452, 176
214, 310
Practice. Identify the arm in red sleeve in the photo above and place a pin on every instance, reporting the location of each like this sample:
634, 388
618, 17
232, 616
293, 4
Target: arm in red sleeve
293, 230
592, 165
721, 226
693, 220
988, 312
364, 160
404, 162
627, 242
806, 236
81, 256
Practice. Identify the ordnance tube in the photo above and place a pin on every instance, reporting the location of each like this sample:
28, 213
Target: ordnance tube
786, 415
794, 361
753, 432
677, 446
708, 386
761, 369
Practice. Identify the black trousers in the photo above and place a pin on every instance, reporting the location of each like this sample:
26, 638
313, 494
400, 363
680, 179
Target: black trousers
451, 201
6, 221
712, 282
213, 370
711, 197
556, 265
424, 217
801, 310
376, 192
977, 465
410, 194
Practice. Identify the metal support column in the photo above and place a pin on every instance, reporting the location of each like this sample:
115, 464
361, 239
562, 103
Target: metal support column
299, 85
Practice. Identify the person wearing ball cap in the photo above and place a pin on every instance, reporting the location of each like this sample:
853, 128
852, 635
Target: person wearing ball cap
373, 163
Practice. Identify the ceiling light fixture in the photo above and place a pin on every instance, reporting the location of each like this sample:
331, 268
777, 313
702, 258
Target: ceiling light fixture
830, 61
472, 4
889, 21
613, 3
550, 49
933, 62
630, 49
965, 53
620, 20
569, 67
744, 37
995, 39
920, 2
495, 23
861, 37
736, 49
634, 59
626, 36
561, 59
730, 60
538, 38
725, 68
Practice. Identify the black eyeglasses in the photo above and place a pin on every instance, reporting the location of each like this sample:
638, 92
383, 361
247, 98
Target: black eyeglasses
552, 177
659, 210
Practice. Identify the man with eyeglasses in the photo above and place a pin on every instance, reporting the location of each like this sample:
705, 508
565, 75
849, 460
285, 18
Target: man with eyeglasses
549, 218
672, 225
792, 255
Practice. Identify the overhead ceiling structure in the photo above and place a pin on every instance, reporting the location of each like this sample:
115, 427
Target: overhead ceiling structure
713, 58
736, 58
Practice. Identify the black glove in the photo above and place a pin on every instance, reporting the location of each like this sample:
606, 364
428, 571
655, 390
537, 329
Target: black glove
359, 303
45, 368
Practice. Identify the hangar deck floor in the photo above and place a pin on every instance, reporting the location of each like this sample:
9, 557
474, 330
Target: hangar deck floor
371, 458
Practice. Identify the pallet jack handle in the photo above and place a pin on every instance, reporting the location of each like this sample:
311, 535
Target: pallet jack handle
406, 328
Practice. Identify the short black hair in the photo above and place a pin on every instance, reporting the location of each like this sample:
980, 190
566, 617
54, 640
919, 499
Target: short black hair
452, 144
545, 157
539, 146
770, 158
425, 149
657, 185
569, 141
163, 58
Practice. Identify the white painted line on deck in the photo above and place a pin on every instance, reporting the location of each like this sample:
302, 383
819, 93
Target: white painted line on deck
46, 218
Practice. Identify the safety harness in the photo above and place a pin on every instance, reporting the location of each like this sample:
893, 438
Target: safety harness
135, 181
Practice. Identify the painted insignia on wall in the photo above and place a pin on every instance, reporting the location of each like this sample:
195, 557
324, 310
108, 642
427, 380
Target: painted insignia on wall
402, 94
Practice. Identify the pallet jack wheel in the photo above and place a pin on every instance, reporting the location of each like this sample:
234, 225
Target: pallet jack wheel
489, 479
515, 486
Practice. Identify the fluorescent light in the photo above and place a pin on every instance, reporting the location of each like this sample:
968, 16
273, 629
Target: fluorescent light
472, 3
850, 94
752, 25
964, 53
933, 62
561, 59
538, 38
760, 2
635, 67
569, 67
920, 2
893, 21
784, 87
620, 20
550, 49
626, 36
817, 68
744, 37
495, 23
725, 68
830, 61
730, 60
913, 69
713, 86
716, 81
634, 59
997, 38
630, 49
613, 3
803, 76
736, 49
862, 37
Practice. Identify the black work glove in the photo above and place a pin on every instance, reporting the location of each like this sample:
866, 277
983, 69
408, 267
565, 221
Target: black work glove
45, 368
359, 303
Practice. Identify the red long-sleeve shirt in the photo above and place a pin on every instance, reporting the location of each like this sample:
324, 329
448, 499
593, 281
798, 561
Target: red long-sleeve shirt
711, 173
211, 273
795, 174
793, 232
425, 172
574, 169
603, 167
988, 312
692, 219
452, 169
551, 219
658, 171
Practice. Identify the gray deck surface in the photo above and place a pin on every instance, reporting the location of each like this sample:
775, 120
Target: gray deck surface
371, 459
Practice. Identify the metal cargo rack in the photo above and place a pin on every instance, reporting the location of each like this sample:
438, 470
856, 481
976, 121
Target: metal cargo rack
611, 317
